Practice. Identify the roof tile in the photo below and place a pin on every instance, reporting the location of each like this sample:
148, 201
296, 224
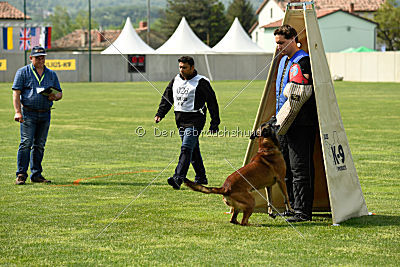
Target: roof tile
8, 11
359, 5
79, 39
320, 14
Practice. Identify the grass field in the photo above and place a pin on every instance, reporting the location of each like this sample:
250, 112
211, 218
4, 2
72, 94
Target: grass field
99, 165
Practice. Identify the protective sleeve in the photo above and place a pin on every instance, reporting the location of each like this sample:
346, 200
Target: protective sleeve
297, 95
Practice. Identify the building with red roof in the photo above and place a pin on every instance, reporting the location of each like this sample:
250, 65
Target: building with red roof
343, 24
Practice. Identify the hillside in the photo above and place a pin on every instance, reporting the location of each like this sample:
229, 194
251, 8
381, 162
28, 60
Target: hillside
40, 9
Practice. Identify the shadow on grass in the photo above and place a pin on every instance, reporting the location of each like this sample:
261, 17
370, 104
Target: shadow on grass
285, 224
373, 220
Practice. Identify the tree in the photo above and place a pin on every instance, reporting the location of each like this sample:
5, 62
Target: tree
205, 17
219, 24
61, 22
388, 18
243, 10
82, 21
113, 16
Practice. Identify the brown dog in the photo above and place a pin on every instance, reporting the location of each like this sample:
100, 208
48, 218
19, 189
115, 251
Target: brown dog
265, 169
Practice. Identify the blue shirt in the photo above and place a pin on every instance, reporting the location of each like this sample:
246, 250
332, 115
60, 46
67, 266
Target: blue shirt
25, 81
282, 78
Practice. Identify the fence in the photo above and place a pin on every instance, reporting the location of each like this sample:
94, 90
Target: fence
365, 67
114, 68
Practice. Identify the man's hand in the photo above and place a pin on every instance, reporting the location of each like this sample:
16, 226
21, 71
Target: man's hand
18, 117
55, 97
213, 129
157, 119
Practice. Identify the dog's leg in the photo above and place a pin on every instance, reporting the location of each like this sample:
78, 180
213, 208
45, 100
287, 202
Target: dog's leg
282, 189
270, 211
247, 203
235, 213
246, 215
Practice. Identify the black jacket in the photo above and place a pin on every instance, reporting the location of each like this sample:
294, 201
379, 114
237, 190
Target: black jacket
204, 94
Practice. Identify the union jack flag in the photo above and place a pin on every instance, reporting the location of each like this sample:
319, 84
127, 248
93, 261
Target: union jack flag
25, 39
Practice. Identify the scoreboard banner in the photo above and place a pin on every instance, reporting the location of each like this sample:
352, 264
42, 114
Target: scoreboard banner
61, 64
3, 64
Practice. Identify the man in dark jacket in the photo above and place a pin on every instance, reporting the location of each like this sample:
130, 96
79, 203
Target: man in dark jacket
189, 92
298, 143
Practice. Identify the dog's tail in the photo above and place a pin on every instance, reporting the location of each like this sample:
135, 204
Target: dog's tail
204, 189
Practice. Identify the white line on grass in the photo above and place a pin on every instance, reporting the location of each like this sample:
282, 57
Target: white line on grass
119, 214
264, 198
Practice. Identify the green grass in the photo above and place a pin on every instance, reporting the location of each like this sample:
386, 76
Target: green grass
93, 135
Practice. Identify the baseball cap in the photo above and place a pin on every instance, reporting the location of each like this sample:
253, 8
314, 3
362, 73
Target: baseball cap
38, 51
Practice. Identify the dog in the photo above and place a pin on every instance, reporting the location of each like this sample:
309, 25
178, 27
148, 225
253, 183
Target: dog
265, 169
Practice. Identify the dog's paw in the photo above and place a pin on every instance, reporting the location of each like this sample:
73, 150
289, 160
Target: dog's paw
234, 222
272, 215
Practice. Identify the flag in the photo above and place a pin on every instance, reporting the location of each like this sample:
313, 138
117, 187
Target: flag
8, 38
35, 36
48, 37
25, 39
45, 37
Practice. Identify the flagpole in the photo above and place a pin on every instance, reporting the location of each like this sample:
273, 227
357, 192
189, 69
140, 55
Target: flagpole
148, 22
90, 43
25, 31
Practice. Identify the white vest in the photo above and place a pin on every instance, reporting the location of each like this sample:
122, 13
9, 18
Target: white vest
184, 92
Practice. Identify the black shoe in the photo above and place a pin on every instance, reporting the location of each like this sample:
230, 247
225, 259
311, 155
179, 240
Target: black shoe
39, 179
288, 213
174, 182
201, 180
21, 179
298, 217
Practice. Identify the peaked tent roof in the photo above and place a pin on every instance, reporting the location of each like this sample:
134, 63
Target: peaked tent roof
236, 40
128, 42
184, 41
337, 187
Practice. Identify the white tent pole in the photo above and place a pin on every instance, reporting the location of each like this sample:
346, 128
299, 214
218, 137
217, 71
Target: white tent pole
208, 67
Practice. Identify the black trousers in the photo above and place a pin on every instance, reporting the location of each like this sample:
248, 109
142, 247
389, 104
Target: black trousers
298, 148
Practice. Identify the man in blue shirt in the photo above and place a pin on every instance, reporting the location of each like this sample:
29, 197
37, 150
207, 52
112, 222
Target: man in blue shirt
32, 110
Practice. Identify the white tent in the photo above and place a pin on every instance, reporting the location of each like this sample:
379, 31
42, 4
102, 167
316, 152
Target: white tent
184, 41
237, 41
128, 42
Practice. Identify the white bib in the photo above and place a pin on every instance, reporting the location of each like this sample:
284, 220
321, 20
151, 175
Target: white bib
184, 92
